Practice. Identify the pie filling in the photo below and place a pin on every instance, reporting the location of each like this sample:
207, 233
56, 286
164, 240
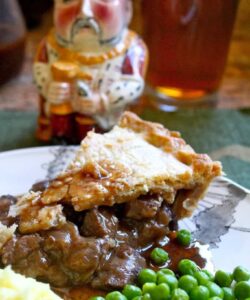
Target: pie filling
102, 247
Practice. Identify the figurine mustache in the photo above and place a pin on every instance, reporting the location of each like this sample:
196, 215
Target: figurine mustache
85, 23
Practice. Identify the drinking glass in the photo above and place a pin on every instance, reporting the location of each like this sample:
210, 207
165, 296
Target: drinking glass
188, 43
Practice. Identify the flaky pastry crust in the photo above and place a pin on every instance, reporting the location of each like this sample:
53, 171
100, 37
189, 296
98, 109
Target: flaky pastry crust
6, 233
135, 158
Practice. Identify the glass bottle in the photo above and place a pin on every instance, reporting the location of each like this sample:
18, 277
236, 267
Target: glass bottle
12, 39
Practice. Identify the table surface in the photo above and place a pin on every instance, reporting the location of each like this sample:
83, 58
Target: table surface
20, 93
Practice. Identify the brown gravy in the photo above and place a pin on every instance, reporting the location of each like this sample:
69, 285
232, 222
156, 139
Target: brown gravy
79, 293
196, 252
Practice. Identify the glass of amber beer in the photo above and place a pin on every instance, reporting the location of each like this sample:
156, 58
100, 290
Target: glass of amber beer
188, 42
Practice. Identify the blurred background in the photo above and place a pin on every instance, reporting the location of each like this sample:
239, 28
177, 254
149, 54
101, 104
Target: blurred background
223, 133
33, 11
20, 93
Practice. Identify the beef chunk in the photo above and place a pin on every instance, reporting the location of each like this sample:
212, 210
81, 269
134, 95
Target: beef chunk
99, 222
164, 215
144, 208
145, 233
19, 248
156, 228
61, 256
77, 255
121, 268
76, 217
25, 255
5, 203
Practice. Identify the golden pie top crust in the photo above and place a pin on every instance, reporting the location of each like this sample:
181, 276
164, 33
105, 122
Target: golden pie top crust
6, 233
135, 158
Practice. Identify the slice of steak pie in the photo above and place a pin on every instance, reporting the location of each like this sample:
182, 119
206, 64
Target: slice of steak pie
124, 191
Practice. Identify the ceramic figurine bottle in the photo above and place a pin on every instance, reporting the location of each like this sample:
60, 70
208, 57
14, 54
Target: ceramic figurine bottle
61, 111
88, 68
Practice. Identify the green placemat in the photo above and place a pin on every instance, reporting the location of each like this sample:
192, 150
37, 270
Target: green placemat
224, 134
17, 130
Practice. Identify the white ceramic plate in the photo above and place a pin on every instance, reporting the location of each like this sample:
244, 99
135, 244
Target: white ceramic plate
222, 219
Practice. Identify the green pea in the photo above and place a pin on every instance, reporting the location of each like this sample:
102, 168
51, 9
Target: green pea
137, 298
146, 296
115, 295
242, 290
179, 294
146, 275
215, 298
184, 237
161, 292
201, 277
187, 283
159, 256
209, 274
241, 274
131, 291
97, 298
223, 279
228, 293
170, 280
165, 271
214, 290
148, 287
199, 293
187, 267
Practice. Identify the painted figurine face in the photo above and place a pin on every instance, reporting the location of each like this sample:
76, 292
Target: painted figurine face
90, 22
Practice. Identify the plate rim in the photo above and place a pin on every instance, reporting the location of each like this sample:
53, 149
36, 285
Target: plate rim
32, 149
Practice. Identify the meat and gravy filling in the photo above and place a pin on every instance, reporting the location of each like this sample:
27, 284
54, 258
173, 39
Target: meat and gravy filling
94, 223
102, 246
